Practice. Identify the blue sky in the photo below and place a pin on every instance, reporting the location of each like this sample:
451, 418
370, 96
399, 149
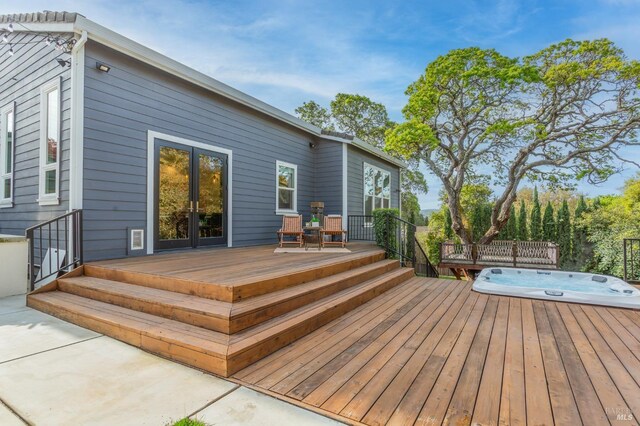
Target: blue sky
287, 52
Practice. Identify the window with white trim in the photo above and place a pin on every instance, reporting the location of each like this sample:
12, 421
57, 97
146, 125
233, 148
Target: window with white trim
7, 148
286, 187
377, 189
50, 143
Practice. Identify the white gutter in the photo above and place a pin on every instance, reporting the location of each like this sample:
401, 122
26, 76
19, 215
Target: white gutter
76, 143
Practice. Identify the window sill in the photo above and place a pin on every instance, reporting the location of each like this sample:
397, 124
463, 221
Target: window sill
284, 212
7, 204
49, 201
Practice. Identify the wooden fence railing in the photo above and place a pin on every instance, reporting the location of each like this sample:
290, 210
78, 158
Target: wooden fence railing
505, 253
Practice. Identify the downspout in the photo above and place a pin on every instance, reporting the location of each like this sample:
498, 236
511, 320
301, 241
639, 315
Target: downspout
76, 140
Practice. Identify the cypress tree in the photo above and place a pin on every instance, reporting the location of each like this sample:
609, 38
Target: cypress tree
523, 232
476, 222
480, 220
536, 217
579, 236
564, 234
448, 225
548, 224
512, 225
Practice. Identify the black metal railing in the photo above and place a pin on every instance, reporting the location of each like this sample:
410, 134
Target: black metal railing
397, 236
55, 247
360, 228
631, 259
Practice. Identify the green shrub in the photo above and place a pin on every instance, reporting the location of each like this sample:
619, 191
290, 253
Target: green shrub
188, 422
381, 228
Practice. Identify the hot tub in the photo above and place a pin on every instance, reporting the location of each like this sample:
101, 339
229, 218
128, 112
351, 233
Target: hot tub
561, 286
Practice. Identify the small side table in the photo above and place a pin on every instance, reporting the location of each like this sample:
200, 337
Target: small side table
312, 230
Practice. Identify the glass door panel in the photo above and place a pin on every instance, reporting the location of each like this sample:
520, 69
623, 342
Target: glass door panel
174, 197
211, 199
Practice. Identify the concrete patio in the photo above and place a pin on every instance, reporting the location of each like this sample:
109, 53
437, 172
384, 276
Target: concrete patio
53, 372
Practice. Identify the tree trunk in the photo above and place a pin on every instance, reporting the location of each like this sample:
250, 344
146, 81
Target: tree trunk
457, 221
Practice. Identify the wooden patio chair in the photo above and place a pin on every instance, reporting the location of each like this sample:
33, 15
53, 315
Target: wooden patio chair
291, 226
333, 226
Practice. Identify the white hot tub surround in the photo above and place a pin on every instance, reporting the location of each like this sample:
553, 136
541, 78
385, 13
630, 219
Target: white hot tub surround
13, 265
562, 286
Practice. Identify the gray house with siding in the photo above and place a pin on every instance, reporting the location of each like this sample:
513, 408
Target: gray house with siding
145, 145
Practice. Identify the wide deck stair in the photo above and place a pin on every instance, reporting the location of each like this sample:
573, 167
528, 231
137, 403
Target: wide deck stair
218, 328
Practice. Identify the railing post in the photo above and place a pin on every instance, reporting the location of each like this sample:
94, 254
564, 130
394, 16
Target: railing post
31, 255
80, 237
514, 253
474, 253
624, 258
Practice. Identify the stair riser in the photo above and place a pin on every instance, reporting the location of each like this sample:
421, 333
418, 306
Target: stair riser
210, 322
238, 361
177, 313
243, 292
146, 342
228, 293
249, 319
236, 358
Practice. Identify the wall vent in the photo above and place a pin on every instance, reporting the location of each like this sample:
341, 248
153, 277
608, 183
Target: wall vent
137, 239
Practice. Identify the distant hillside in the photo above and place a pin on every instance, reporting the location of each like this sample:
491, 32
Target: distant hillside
428, 212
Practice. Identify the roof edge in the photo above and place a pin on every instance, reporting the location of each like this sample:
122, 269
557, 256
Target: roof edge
116, 41
359, 143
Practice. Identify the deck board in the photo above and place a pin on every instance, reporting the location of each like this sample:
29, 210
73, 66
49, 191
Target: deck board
434, 352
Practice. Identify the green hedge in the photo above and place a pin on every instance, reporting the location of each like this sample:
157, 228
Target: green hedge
380, 226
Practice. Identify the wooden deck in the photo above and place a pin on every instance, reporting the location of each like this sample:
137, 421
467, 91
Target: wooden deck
434, 352
219, 310
227, 274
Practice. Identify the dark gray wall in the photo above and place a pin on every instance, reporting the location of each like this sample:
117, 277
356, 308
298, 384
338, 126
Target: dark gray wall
21, 77
328, 178
355, 183
120, 106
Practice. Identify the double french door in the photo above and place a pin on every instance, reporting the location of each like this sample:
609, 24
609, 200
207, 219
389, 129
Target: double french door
190, 196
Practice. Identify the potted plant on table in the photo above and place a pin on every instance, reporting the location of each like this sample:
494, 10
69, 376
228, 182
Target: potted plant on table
315, 223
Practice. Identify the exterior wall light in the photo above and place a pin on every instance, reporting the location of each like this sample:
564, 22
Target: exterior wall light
102, 67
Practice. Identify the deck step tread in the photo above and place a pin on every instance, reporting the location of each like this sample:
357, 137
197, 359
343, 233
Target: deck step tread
240, 341
212, 342
240, 282
187, 302
246, 306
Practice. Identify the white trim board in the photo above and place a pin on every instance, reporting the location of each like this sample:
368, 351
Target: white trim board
76, 139
151, 138
345, 188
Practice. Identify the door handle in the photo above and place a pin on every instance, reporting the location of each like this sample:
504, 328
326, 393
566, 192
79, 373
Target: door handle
191, 206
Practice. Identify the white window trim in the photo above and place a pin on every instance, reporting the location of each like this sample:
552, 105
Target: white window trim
11, 108
364, 187
295, 187
49, 199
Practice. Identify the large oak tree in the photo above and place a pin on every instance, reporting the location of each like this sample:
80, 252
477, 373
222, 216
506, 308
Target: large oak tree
562, 114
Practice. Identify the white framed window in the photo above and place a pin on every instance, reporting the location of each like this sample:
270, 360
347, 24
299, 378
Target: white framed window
377, 189
286, 187
50, 119
7, 150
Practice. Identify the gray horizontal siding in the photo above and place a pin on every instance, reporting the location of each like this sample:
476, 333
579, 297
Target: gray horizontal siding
329, 176
122, 105
355, 182
21, 77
